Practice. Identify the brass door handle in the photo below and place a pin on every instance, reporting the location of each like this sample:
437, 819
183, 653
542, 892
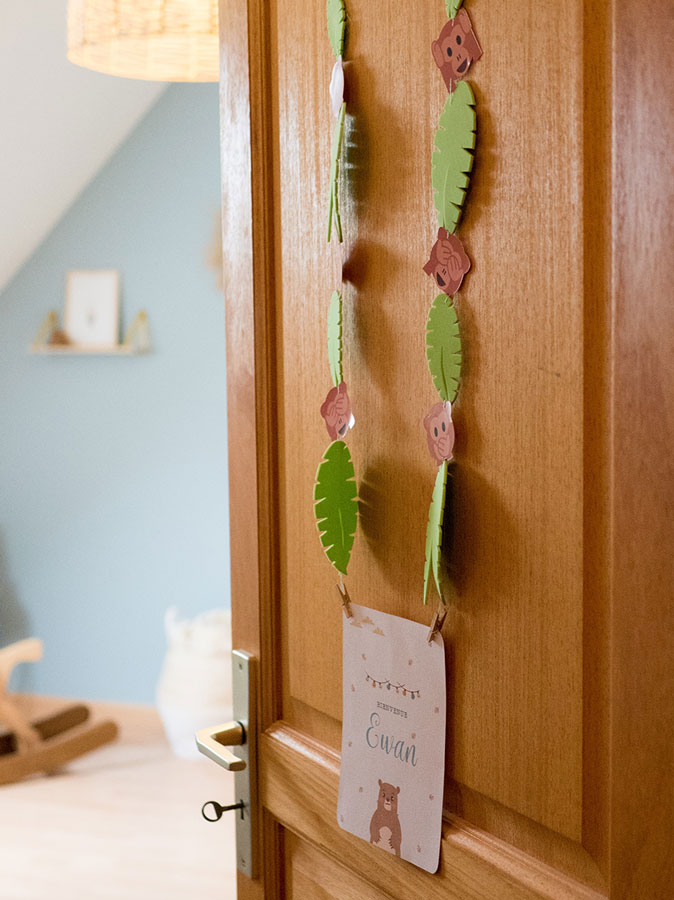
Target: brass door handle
213, 743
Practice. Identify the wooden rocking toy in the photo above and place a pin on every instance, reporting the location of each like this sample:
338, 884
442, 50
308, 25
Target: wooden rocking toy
47, 744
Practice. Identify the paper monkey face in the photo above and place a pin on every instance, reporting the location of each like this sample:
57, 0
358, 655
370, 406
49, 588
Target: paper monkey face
448, 262
440, 431
455, 49
336, 410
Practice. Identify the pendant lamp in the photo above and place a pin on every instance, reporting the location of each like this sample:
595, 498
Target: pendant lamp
155, 40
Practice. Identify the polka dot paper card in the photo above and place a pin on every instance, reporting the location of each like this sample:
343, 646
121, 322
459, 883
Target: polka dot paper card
393, 736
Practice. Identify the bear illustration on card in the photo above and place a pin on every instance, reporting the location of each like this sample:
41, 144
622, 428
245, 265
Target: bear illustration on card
385, 829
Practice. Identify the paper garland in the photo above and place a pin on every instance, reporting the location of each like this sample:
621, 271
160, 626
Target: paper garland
335, 491
452, 162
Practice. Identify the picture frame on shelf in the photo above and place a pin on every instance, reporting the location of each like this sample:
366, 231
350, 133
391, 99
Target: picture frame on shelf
91, 316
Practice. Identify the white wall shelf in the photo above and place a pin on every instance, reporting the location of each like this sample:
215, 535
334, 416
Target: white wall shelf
136, 340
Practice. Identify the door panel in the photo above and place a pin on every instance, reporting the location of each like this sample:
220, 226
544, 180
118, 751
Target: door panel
516, 676
312, 874
299, 780
530, 678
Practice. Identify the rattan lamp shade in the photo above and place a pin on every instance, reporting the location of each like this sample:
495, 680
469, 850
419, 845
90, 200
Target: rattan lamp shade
156, 40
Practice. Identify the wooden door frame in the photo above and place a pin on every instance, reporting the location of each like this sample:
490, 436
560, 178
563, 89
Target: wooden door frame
630, 91
642, 521
248, 261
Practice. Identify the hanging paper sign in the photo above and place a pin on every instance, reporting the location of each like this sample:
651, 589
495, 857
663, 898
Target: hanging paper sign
393, 735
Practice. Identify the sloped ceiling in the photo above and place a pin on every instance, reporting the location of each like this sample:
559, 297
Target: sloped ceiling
59, 124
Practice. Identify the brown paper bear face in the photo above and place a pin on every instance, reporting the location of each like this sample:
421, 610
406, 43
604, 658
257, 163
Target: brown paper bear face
388, 796
336, 410
440, 431
455, 49
448, 262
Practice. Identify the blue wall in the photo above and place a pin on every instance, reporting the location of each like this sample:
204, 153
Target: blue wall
113, 471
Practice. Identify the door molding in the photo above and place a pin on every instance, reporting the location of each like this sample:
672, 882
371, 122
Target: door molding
299, 781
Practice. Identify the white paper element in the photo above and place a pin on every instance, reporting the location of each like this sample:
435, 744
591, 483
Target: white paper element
337, 87
393, 735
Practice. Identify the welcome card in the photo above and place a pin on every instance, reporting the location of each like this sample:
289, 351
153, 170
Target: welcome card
393, 735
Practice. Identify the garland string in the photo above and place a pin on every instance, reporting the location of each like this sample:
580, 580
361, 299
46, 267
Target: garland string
335, 491
454, 51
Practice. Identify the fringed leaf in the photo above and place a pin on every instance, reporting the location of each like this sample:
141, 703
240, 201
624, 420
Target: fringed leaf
336, 25
453, 158
336, 504
335, 337
434, 531
333, 208
443, 347
452, 7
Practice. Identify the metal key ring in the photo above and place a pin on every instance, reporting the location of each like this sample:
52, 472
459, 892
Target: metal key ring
217, 809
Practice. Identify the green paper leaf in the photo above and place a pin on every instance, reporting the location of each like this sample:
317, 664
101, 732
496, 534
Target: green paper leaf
336, 506
452, 7
336, 25
453, 158
335, 337
333, 208
434, 531
443, 347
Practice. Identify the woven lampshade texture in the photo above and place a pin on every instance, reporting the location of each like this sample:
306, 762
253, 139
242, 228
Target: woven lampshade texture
154, 40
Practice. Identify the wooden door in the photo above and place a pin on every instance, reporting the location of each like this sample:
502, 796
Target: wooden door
560, 724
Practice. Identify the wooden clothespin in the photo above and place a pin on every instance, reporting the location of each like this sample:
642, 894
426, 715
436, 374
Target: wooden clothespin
437, 621
346, 600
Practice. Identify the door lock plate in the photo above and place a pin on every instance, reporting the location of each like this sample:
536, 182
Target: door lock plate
240, 733
245, 780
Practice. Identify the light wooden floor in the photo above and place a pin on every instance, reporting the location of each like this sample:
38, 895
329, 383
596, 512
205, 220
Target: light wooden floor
123, 822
